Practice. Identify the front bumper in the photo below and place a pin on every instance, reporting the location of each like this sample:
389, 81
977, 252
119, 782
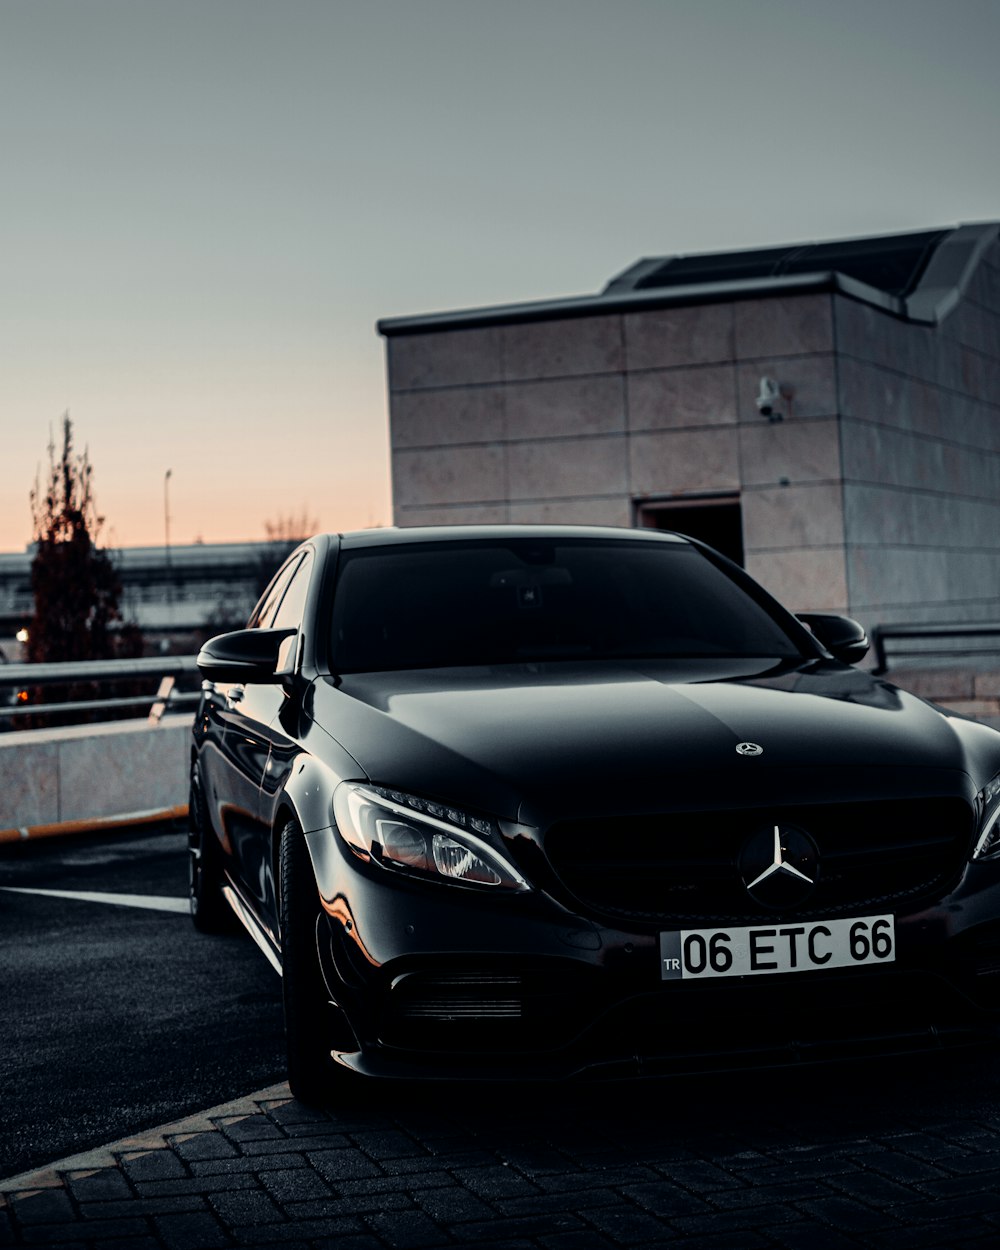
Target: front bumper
452, 983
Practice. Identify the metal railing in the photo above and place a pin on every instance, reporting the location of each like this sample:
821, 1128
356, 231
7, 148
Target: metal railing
964, 633
17, 678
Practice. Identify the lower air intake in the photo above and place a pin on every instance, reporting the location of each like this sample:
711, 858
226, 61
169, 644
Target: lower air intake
457, 997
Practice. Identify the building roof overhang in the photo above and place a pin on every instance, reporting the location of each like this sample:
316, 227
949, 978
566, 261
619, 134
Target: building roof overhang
942, 266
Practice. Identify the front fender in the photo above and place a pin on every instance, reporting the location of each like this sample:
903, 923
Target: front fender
309, 786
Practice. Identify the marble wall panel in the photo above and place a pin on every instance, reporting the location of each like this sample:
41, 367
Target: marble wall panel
888, 582
978, 521
879, 454
974, 327
988, 381
863, 332
984, 287
811, 579
551, 349
974, 579
663, 338
811, 379
665, 398
798, 451
679, 461
456, 514
784, 326
444, 358
566, 406
875, 453
981, 425
563, 468
871, 393
921, 352
793, 516
448, 475
434, 418
572, 512
877, 514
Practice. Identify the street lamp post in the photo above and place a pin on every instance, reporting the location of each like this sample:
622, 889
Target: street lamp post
166, 534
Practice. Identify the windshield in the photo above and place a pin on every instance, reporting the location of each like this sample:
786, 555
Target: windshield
431, 605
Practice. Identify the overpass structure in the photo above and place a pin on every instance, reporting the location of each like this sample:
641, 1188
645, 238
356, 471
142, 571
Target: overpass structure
172, 593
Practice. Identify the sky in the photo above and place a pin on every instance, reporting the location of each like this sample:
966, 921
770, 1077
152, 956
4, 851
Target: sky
207, 204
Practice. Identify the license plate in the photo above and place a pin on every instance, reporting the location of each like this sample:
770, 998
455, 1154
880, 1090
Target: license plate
695, 954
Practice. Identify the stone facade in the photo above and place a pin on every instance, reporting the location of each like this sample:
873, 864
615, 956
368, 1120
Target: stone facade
876, 493
920, 434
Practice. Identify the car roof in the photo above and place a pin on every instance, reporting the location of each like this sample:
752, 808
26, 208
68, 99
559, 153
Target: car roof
393, 536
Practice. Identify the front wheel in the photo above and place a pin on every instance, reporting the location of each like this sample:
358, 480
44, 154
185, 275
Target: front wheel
313, 1076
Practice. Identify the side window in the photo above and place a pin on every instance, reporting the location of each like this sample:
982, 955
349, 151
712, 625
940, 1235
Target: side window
263, 618
292, 606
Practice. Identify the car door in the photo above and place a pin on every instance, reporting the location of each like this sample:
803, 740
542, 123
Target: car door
243, 712
257, 730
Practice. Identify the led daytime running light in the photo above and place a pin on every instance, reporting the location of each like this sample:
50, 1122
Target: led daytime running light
440, 811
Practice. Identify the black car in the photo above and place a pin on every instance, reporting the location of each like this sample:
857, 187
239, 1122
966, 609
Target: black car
547, 802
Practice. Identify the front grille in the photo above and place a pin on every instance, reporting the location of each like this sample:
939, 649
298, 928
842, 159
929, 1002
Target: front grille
682, 867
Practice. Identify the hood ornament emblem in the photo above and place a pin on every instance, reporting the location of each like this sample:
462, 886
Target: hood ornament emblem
749, 748
779, 866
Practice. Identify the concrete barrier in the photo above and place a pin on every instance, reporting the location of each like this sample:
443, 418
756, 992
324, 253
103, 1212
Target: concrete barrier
82, 777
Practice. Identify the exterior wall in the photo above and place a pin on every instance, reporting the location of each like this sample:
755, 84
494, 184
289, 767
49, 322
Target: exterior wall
51, 776
578, 420
921, 453
793, 521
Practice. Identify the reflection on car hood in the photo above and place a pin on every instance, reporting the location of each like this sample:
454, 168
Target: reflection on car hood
526, 740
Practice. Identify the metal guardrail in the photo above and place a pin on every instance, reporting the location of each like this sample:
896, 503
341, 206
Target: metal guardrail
16, 677
956, 632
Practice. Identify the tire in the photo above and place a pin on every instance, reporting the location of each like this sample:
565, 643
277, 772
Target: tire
210, 913
313, 1076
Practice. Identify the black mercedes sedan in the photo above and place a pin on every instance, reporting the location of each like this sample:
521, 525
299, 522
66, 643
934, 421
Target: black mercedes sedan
546, 802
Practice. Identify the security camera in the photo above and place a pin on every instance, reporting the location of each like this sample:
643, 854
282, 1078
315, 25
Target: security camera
767, 399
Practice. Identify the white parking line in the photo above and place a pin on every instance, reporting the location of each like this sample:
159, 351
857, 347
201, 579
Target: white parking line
151, 902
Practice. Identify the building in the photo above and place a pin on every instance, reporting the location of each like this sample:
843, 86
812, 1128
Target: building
175, 596
829, 415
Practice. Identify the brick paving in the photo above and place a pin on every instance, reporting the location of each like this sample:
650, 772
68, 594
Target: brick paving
778, 1161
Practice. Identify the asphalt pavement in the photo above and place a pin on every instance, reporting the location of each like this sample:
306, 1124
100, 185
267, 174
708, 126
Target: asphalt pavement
117, 1014
895, 1153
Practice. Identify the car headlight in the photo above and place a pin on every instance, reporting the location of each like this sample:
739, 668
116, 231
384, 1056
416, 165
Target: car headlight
421, 838
988, 806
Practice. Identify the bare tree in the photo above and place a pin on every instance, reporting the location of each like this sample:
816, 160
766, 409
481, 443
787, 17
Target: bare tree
74, 582
291, 529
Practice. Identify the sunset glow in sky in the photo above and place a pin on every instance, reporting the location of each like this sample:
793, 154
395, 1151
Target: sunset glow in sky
208, 203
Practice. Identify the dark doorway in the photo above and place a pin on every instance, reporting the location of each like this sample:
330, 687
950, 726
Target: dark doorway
716, 520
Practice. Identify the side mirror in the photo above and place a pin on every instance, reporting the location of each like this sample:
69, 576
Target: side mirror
842, 636
247, 655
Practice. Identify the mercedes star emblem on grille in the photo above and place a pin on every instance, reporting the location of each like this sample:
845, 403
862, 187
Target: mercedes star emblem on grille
779, 866
749, 748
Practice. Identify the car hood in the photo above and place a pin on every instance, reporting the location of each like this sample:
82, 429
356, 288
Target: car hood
528, 741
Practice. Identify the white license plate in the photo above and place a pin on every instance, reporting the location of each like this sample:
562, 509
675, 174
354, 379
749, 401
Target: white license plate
694, 954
